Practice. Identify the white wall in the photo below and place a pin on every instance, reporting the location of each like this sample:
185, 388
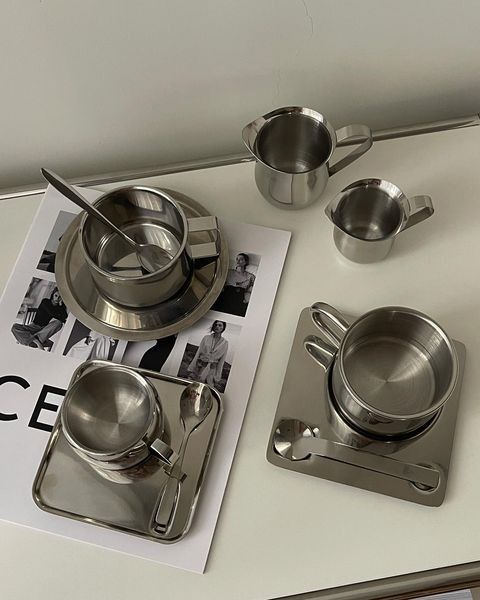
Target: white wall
89, 86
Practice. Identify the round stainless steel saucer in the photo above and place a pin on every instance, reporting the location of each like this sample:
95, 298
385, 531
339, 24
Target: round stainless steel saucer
100, 314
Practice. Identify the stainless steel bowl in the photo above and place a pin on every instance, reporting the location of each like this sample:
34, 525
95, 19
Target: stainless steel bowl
393, 369
111, 416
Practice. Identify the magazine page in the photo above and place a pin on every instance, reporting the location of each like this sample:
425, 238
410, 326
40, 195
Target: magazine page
42, 344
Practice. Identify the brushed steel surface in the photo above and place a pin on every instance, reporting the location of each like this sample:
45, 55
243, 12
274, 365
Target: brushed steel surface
367, 216
83, 299
70, 487
394, 370
292, 147
306, 397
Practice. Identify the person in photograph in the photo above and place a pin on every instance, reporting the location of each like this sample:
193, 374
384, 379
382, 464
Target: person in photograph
94, 346
47, 260
49, 318
207, 364
238, 287
155, 357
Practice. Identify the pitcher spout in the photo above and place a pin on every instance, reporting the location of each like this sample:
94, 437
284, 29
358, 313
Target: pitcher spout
250, 134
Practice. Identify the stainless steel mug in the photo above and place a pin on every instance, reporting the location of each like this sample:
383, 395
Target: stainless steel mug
147, 215
112, 418
293, 147
392, 370
368, 215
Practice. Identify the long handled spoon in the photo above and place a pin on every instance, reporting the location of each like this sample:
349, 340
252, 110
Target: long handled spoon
196, 402
294, 440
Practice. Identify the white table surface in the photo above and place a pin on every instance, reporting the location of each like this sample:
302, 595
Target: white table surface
281, 532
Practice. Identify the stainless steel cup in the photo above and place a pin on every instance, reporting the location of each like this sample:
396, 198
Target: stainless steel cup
112, 418
368, 215
392, 370
147, 215
293, 147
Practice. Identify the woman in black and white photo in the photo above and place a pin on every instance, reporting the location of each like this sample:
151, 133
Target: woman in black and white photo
151, 355
156, 356
207, 364
85, 344
48, 320
238, 287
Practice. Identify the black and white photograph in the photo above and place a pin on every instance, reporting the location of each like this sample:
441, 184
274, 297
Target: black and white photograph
47, 260
85, 344
149, 355
41, 316
209, 352
236, 294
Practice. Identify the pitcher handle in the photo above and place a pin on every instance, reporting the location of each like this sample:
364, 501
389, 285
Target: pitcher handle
420, 208
352, 133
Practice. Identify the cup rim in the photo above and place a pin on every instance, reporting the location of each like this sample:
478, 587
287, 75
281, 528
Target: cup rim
143, 277
251, 132
392, 190
385, 414
154, 410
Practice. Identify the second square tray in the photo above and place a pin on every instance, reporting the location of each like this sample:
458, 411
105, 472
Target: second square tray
67, 486
306, 398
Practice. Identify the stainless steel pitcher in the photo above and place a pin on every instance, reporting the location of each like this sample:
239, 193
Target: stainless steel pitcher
369, 214
292, 147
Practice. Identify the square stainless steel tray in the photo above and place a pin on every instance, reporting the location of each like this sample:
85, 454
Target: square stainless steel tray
305, 397
67, 486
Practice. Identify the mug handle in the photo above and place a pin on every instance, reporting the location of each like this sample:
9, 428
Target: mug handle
323, 315
321, 352
420, 208
164, 452
204, 249
351, 134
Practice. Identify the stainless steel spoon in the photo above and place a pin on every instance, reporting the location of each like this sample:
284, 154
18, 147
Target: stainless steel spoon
294, 440
196, 402
151, 257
